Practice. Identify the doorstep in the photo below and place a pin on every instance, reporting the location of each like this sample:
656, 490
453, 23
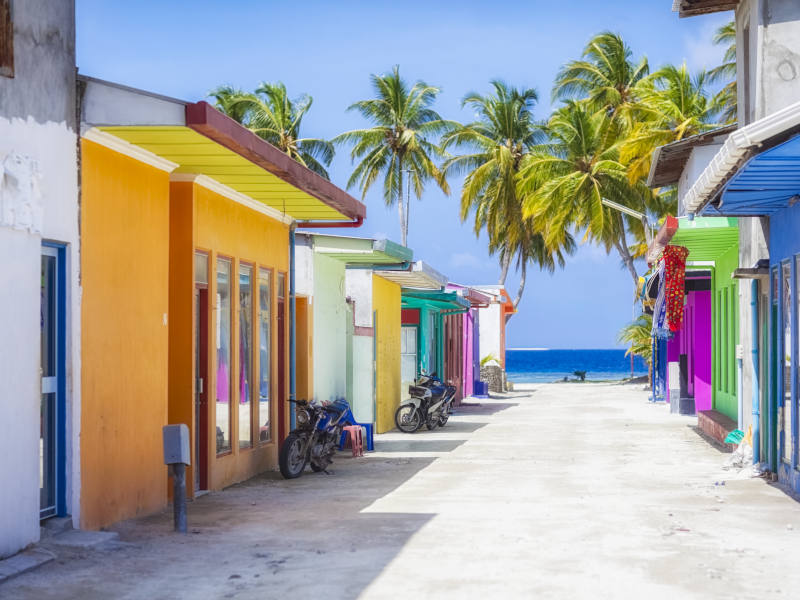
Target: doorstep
716, 426
24, 561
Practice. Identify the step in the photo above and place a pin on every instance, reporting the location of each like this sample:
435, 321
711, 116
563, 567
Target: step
717, 427
23, 562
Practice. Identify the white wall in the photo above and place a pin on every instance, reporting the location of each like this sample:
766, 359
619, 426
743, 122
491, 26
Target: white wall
489, 328
358, 287
48, 153
330, 329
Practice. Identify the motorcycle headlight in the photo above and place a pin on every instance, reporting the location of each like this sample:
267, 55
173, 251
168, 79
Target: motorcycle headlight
301, 417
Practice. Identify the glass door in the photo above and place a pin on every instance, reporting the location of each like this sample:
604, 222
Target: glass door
51, 401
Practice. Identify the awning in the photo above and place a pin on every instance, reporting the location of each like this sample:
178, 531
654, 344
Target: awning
197, 139
474, 297
355, 251
706, 238
690, 8
419, 276
443, 301
766, 179
767, 183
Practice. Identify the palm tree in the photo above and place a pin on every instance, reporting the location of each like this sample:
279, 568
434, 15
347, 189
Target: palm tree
399, 144
273, 116
607, 77
674, 105
725, 99
638, 334
564, 181
499, 140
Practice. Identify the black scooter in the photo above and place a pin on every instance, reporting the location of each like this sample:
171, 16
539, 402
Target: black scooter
430, 403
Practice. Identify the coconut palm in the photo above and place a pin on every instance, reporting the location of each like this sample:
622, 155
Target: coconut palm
638, 334
607, 77
726, 97
499, 139
674, 105
400, 145
272, 115
564, 181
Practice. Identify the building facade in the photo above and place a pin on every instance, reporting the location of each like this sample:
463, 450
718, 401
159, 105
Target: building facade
40, 317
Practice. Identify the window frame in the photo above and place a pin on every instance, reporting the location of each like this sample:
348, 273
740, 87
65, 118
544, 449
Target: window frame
231, 289
253, 270
272, 291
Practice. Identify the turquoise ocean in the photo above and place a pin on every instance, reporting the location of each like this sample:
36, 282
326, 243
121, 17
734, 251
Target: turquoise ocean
542, 365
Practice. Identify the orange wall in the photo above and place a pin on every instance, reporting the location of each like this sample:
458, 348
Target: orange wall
223, 227
124, 335
181, 311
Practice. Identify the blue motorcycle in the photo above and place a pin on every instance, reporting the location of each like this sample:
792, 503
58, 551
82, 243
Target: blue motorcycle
315, 438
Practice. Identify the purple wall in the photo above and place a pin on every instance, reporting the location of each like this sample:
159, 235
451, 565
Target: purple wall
469, 350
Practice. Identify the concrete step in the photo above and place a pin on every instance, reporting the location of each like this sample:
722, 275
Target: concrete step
23, 562
55, 526
76, 538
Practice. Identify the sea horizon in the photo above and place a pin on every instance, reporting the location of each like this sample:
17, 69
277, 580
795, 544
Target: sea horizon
543, 365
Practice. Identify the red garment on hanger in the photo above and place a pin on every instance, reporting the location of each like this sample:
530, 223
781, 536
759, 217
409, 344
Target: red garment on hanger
674, 284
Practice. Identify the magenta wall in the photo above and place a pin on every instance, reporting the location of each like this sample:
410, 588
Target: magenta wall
468, 345
694, 340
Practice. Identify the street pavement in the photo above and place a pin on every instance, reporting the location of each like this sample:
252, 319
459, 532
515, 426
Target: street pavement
563, 491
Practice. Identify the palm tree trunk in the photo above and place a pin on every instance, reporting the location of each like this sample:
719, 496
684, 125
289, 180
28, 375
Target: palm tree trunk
522, 278
505, 263
401, 205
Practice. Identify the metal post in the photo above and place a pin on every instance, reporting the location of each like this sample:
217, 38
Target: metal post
179, 496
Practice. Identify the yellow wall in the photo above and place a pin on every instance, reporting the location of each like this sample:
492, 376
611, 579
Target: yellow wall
124, 335
386, 304
223, 227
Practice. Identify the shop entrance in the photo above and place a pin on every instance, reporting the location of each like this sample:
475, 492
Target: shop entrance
53, 411
200, 462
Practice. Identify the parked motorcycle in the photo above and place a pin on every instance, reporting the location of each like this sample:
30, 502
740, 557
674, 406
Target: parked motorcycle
431, 403
313, 441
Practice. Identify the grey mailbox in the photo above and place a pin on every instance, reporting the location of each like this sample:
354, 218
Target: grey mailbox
176, 445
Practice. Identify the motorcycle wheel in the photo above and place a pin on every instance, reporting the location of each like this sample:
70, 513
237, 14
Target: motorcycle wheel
290, 458
407, 418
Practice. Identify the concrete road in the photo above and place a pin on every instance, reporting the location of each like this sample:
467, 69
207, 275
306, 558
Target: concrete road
563, 491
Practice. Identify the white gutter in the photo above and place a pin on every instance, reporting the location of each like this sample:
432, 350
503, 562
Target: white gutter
735, 149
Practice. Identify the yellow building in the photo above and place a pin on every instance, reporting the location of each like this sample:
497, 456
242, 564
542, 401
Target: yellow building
187, 221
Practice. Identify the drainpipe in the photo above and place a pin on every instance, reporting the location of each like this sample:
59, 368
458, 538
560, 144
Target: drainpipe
739, 384
292, 325
756, 390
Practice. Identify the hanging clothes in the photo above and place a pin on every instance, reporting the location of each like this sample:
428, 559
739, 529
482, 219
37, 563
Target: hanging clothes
674, 258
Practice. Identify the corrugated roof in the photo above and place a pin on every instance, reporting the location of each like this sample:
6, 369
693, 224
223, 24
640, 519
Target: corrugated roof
669, 160
361, 251
707, 238
420, 276
690, 8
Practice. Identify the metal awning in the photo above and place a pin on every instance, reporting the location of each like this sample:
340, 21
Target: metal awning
437, 300
474, 297
707, 238
767, 183
361, 251
197, 139
419, 275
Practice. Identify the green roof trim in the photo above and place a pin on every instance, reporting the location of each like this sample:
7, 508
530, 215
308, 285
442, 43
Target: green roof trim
361, 251
707, 238
437, 300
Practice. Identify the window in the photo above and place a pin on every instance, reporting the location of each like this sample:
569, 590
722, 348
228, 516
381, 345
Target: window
223, 336
786, 360
408, 353
245, 356
6, 39
264, 354
201, 268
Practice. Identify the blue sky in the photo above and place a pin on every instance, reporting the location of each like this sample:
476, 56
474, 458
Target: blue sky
329, 49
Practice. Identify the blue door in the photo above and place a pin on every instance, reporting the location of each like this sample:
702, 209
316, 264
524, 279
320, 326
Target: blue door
52, 440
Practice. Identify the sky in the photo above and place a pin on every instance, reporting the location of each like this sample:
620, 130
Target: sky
329, 49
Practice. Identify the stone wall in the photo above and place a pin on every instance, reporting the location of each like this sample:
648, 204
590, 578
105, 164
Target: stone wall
495, 377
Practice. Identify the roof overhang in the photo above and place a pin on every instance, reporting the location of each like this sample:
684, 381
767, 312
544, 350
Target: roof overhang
419, 276
691, 8
474, 297
706, 238
444, 301
670, 160
197, 139
767, 154
362, 252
